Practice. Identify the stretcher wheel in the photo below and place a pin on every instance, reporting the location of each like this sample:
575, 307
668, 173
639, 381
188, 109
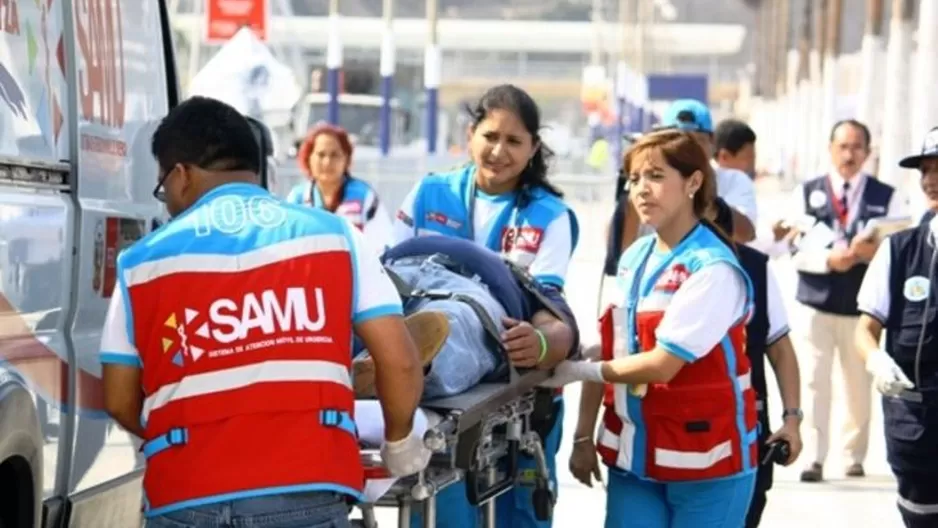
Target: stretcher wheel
543, 502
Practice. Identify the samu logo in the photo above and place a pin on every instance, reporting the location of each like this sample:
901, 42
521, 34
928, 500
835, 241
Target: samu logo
233, 320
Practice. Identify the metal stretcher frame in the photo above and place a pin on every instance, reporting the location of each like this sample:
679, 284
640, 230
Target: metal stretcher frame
478, 441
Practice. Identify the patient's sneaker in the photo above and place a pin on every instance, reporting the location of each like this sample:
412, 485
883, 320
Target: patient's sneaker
429, 331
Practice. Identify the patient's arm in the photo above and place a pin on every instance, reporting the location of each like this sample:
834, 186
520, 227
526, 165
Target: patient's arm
560, 338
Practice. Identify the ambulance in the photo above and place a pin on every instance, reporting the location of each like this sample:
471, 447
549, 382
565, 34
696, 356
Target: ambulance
83, 84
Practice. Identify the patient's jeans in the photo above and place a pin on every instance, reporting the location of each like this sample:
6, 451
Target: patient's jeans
464, 359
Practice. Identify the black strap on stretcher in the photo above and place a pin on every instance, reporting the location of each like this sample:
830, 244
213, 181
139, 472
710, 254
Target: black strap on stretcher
492, 335
546, 408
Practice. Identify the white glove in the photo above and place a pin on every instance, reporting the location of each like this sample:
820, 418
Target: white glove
573, 371
406, 456
888, 378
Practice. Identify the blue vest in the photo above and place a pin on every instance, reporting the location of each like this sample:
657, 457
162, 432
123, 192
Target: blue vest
836, 292
352, 200
910, 283
443, 202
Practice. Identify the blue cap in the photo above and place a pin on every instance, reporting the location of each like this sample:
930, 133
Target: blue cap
687, 114
929, 150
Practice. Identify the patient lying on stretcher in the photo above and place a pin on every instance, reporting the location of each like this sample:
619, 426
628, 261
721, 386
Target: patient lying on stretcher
461, 338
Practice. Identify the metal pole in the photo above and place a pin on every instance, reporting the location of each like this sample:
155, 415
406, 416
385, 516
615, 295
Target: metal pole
830, 61
762, 45
896, 138
804, 42
803, 108
641, 64
626, 9
783, 30
816, 90
819, 46
926, 108
334, 63
432, 71
386, 68
872, 80
772, 45
596, 17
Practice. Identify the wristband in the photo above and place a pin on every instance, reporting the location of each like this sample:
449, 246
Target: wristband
543, 340
582, 439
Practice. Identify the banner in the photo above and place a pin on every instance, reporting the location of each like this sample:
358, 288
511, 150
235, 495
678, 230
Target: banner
224, 18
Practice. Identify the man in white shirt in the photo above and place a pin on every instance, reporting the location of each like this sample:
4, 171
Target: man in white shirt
831, 260
733, 185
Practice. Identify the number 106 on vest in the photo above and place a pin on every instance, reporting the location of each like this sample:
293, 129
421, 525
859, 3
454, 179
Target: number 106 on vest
231, 214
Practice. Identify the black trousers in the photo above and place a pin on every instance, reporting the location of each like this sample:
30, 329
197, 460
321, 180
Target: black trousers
763, 475
911, 429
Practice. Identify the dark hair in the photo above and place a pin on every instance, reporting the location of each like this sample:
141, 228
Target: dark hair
208, 134
309, 142
515, 100
685, 155
864, 130
732, 135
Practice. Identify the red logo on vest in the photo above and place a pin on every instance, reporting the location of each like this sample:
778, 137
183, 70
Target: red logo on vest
672, 278
526, 239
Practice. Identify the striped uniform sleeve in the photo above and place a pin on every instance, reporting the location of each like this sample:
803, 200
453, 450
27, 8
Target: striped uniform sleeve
375, 294
775, 305
709, 303
117, 346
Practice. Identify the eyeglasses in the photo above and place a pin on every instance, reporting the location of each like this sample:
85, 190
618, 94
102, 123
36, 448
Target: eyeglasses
159, 192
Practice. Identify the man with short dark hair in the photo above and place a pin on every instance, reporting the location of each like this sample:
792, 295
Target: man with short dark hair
734, 186
227, 343
734, 145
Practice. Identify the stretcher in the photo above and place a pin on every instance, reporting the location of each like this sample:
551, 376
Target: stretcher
478, 439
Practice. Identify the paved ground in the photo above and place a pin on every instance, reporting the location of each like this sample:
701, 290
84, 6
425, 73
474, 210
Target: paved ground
837, 503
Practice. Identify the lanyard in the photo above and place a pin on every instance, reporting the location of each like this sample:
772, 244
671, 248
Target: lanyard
315, 196
507, 217
839, 209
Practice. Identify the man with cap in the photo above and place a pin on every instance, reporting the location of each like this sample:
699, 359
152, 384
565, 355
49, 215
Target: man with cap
898, 295
733, 185
831, 259
927, 164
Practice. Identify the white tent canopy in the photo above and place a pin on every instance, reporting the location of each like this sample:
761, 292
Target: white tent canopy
246, 75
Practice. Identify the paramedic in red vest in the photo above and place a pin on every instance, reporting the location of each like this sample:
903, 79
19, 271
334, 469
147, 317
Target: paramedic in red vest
234, 372
325, 156
680, 427
502, 200
841, 202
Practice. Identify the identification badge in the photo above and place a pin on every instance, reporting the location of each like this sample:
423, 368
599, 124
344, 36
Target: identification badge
817, 199
916, 288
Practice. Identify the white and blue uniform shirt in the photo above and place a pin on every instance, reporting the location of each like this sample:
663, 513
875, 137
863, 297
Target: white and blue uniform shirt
532, 228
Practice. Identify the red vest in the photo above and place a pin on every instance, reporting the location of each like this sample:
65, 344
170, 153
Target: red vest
246, 360
699, 426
